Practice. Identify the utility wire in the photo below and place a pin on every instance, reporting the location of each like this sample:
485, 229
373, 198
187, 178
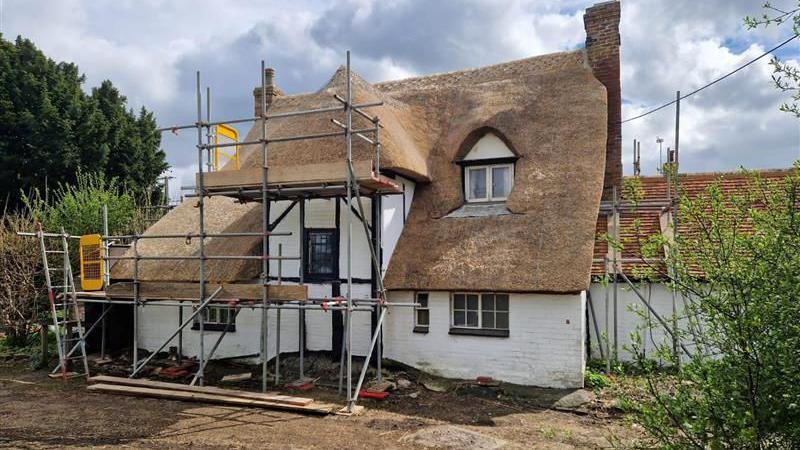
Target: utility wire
713, 82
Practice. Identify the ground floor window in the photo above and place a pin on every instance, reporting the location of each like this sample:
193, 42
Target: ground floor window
216, 318
422, 315
479, 313
322, 253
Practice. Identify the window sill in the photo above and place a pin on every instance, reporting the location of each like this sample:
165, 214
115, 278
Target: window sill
214, 327
479, 332
421, 329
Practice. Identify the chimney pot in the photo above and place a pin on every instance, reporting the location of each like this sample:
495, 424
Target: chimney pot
269, 81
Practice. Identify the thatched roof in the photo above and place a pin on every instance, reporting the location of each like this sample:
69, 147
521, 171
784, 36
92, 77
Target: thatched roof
400, 151
550, 109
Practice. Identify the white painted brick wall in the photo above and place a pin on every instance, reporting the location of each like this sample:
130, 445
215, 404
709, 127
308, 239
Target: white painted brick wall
545, 346
158, 322
629, 320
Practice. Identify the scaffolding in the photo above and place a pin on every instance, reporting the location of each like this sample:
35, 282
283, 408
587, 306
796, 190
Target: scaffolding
349, 190
614, 273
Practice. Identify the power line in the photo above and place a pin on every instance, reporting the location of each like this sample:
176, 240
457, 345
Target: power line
713, 82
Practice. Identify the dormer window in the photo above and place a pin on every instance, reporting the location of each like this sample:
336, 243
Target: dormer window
489, 183
488, 170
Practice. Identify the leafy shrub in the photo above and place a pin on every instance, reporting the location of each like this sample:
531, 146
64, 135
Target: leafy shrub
596, 380
737, 272
21, 285
78, 208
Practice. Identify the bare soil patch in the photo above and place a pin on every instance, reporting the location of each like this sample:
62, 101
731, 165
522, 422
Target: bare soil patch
37, 412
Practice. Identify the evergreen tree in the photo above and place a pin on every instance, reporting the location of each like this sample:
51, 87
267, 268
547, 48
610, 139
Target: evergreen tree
50, 128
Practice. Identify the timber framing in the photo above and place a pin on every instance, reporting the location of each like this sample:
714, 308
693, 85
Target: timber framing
231, 292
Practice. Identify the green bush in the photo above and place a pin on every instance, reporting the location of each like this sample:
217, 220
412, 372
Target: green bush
77, 208
596, 380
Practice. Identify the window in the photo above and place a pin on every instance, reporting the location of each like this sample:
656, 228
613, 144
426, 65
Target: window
422, 315
216, 318
488, 183
322, 254
482, 314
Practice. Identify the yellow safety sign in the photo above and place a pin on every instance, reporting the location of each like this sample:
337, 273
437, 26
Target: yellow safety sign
225, 134
92, 269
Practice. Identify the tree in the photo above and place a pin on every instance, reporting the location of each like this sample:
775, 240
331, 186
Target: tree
737, 266
786, 75
50, 128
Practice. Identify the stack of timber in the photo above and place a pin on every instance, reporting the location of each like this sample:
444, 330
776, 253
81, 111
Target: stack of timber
207, 394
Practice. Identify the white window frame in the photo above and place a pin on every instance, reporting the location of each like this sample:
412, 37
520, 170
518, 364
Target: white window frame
488, 168
426, 308
480, 310
216, 311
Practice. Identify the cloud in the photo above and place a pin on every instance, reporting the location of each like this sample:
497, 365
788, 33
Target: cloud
734, 123
152, 48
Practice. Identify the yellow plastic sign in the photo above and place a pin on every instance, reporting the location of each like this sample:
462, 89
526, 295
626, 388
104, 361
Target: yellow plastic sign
225, 134
92, 269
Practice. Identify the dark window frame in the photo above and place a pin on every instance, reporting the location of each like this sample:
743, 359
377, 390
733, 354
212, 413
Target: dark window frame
308, 275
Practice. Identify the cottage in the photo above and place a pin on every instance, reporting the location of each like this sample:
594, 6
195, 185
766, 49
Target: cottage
486, 204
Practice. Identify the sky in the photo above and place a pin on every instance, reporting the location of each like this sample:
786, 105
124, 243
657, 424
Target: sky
151, 50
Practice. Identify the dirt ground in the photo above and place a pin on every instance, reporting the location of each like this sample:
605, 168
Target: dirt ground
37, 412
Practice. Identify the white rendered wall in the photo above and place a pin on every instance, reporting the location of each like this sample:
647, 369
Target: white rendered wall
629, 320
395, 211
158, 322
545, 346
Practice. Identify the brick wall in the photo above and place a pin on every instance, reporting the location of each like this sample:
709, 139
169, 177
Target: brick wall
601, 22
269, 74
545, 346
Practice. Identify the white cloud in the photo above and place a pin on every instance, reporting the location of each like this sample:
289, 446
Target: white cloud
151, 48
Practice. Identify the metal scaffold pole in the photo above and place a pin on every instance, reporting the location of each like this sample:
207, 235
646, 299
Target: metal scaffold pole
135, 300
302, 313
265, 232
200, 209
349, 183
675, 337
106, 282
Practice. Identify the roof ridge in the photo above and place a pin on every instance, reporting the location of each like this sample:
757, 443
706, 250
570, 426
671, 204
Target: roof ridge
718, 173
386, 83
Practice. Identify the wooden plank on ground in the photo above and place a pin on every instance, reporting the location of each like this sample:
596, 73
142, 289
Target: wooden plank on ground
165, 290
276, 398
314, 408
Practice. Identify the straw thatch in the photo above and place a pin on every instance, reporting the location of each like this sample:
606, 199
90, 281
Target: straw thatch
400, 150
550, 109
222, 214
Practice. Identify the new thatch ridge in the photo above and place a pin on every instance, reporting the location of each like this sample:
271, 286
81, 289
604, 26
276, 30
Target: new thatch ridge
550, 109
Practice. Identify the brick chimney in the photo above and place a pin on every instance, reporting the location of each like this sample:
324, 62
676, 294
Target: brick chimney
601, 22
269, 75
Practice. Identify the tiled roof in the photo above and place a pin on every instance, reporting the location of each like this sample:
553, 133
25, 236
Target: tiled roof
655, 190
